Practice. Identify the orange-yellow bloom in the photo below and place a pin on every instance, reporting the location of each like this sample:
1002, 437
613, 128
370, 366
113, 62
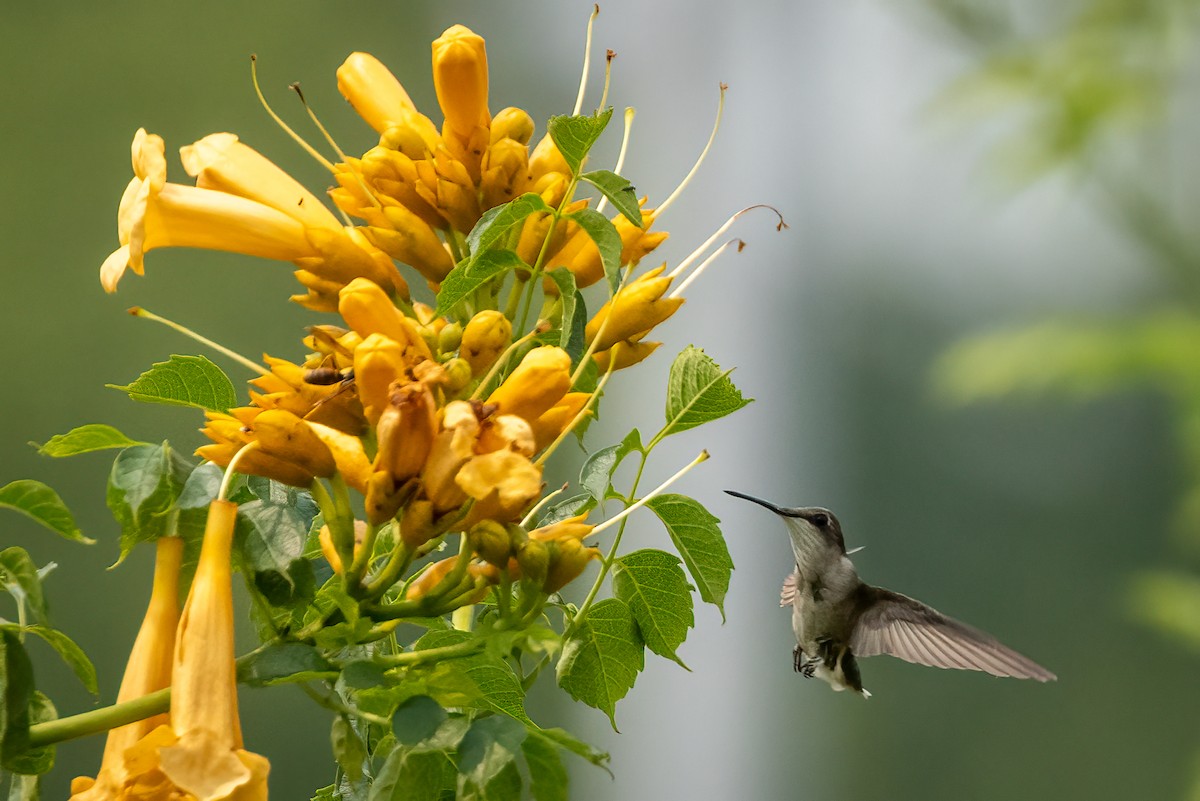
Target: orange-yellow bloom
538, 383
636, 309
486, 336
372, 90
148, 670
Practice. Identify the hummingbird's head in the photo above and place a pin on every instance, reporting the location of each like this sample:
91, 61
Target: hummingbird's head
810, 527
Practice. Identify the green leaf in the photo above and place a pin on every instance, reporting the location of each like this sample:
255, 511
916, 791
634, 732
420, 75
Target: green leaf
570, 507
413, 775
348, 748
574, 136
16, 694
417, 719
548, 780
183, 381
654, 586
71, 653
601, 659
1168, 602
564, 279
577, 336
143, 486
496, 223
327, 793
470, 274
619, 192
506, 786
21, 579
481, 680
699, 541
596, 474
698, 392
281, 663
85, 439
608, 242
564, 739
37, 501
199, 491
272, 540
489, 746
38, 760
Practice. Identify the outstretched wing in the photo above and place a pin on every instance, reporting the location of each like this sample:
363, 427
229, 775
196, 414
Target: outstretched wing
903, 627
791, 584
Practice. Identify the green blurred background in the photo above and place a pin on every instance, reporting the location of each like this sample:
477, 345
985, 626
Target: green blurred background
947, 167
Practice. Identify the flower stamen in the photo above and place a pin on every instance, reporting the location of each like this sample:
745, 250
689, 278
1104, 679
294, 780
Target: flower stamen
695, 273
324, 162
138, 311
700, 160
695, 254
587, 59
630, 113
617, 518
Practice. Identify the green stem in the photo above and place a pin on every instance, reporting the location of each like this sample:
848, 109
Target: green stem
363, 557
99, 720
556, 215
433, 654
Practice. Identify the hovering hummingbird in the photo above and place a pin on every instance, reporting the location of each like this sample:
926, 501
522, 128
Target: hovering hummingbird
837, 617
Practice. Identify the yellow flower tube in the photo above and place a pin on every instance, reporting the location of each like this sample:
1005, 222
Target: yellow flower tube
148, 670
460, 78
208, 760
373, 91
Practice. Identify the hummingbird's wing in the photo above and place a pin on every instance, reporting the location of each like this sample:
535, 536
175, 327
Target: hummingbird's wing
787, 593
906, 628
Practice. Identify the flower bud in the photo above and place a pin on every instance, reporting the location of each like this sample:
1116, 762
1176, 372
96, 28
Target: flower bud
460, 78
348, 454
486, 336
433, 575
504, 173
458, 375
416, 526
512, 123
539, 382
555, 420
546, 159
568, 558
383, 498
624, 354
413, 134
229, 435
534, 561
368, 310
571, 528
378, 362
635, 310
405, 432
637, 242
411, 240
490, 541
372, 90
449, 338
286, 437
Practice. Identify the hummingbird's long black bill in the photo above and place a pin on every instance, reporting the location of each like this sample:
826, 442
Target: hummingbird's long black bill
779, 510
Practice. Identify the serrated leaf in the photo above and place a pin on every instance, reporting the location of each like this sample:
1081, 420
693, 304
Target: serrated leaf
281, 663
491, 744
71, 653
574, 136
570, 507
143, 486
596, 474
601, 231
417, 719
698, 392
36, 761
564, 279
470, 274
183, 381
21, 579
657, 592
271, 539
85, 439
699, 541
481, 680
496, 223
601, 659
564, 739
619, 192
548, 780
42, 504
413, 775
16, 694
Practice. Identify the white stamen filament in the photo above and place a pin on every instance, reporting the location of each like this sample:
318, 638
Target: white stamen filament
629, 115
695, 167
324, 162
587, 60
696, 273
525, 521
695, 254
608, 60
653, 493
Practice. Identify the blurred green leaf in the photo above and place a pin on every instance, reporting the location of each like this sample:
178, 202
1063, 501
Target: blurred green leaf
564, 279
481, 680
143, 486
653, 585
601, 659
470, 274
85, 439
569, 507
548, 780
23, 787
21, 579
36, 761
596, 474
411, 774
42, 504
496, 223
417, 719
1169, 602
283, 662
619, 192
348, 748
16, 695
699, 541
698, 392
489, 746
71, 653
183, 381
574, 136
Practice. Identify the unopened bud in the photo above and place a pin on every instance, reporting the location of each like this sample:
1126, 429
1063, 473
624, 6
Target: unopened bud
460, 78
416, 526
378, 362
449, 338
486, 336
534, 560
458, 375
568, 559
512, 123
634, 312
372, 90
405, 431
490, 541
288, 438
539, 382
624, 354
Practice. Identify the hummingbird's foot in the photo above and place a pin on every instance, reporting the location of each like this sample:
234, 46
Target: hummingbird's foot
803, 664
809, 668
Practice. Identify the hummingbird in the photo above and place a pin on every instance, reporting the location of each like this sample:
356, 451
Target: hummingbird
838, 618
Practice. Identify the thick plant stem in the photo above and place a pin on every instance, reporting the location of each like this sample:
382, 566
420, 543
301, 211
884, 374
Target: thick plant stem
99, 720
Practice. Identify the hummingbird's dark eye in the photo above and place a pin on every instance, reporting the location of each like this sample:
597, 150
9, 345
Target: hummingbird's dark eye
820, 520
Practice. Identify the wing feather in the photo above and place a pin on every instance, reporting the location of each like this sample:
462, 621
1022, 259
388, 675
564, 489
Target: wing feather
787, 593
908, 629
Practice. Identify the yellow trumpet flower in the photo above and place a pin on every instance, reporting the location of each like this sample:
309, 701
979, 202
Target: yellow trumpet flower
372, 90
